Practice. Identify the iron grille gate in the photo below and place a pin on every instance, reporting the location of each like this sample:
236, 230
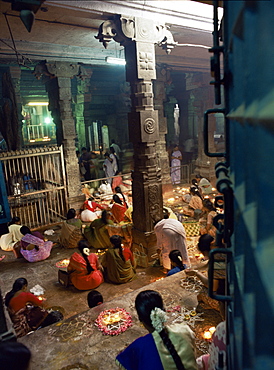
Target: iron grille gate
36, 185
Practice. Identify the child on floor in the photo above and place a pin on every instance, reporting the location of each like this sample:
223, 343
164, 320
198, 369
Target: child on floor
94, 298
176, 260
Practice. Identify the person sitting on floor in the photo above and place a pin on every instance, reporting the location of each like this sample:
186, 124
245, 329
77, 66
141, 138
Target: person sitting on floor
195, 205
91, 210
72, 218
84, 269
94, 298
33, 246
97, 234
118, 209
176, 261
118, 262
205, 245
165, 347
121, 195
206, 221
71, 230
7, 241
23, 317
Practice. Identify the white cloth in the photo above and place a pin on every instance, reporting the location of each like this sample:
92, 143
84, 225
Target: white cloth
176, 167
205, 185
171, 235
117, 149
88, 216
108, 168
114, 163
7, 241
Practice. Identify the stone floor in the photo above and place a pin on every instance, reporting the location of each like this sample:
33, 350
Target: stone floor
45, 273
76, 343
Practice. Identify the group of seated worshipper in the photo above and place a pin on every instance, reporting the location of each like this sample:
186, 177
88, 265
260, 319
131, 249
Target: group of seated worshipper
117, 266
200, 207
26, 310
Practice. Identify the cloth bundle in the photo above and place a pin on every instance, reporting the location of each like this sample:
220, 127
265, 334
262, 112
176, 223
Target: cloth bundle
140, 256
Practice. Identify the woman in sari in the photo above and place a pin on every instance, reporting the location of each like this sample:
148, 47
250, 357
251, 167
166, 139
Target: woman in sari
7, 241
118, 209
33, 246
176, 157
165, 347
118, 262
194, 208
22, 307
71, 230
206, 221
72, 219
85, 269
97, 234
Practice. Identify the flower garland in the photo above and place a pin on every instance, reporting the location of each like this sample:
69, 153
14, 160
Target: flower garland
113, 321
158, 317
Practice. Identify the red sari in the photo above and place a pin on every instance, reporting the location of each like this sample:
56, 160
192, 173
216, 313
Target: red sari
118, 211
79, 275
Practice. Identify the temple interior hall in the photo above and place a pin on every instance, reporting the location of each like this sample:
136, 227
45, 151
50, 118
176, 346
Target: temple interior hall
136, 184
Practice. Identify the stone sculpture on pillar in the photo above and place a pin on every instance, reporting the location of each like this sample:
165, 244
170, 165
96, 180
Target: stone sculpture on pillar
139, 37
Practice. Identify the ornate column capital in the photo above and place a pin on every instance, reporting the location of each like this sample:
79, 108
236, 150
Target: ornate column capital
125, 29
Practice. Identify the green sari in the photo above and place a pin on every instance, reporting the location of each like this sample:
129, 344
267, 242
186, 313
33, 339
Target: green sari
117, 270
97, 234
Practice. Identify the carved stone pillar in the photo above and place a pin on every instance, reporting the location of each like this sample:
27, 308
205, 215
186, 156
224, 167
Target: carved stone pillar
162, 154
63, 73
139, 36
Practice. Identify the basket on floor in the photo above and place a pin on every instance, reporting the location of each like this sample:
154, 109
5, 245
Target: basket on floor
192, 228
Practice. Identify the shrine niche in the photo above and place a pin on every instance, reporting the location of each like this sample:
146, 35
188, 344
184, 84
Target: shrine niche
139, 37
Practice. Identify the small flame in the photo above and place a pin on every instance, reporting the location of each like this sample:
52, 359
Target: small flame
207, 335
212, 329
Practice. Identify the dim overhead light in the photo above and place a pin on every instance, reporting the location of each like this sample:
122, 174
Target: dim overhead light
37, 103
118, 61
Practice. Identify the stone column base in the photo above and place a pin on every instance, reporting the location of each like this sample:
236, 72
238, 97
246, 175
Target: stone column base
147, 239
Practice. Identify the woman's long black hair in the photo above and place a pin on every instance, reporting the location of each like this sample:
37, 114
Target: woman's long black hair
195, 191
119, 191
117, 199
71, 213
104, 215
17, 285
81, 246
116, 240
174, 257
145, 302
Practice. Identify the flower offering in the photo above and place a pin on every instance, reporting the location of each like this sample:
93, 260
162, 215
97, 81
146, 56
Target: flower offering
113, 321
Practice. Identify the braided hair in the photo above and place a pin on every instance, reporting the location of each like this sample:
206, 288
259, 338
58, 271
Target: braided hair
116, 240
147, 301
195, 191
17, 285
119, 191
176, 257
117, 199
83, 244
104, 217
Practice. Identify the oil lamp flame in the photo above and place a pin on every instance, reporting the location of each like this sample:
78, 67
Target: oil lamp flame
207, 335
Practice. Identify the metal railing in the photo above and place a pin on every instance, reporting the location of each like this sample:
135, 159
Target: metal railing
36, 185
